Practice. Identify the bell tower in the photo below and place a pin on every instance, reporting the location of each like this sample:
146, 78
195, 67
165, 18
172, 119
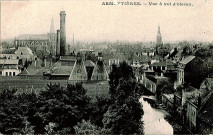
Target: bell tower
159, 37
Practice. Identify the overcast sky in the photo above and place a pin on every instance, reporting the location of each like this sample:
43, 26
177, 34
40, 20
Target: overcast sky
91, 21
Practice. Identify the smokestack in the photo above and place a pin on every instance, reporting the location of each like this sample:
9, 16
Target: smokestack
58, 44
63, 46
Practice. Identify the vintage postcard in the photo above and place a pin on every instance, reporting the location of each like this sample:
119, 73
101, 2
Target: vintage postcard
106, 67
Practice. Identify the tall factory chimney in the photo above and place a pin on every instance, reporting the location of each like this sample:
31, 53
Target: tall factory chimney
63, 46
58, 44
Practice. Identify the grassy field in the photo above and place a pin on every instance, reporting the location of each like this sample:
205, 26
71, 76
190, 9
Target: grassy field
93, 87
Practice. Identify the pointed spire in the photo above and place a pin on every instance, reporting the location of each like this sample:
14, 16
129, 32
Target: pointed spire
158, 34
52, 30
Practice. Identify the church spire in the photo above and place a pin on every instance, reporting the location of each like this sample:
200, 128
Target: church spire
159, 37
158, 33
52, 30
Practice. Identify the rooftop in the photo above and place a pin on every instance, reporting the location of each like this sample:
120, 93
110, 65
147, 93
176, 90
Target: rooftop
24, 51
89, 63
62, 70
29, 71
57, 69
187, 59
9, 61
163, 63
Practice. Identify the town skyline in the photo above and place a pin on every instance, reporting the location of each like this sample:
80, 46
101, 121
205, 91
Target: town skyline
102, 23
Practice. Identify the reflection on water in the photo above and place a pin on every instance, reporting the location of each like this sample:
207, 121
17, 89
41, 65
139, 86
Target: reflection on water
154, 122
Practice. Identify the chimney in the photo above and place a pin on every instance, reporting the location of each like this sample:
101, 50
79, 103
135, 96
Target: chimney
58, 44
63, 46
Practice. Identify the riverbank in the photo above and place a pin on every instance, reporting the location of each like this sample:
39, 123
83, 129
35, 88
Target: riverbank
154, 122
178, 128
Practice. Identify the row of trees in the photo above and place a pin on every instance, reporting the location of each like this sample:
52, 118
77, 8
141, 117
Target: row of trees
70, 110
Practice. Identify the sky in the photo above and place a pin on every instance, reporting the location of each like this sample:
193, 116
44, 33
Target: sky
89, 20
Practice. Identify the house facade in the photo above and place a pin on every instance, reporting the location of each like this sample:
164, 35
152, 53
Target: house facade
9, 67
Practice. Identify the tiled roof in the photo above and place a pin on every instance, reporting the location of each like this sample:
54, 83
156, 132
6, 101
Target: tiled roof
24, 51
187, 59
29, 71
9, 61
62, 70
164, 63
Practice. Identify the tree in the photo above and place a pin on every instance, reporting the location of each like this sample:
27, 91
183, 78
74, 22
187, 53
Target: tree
15, 109
63, 106
124, 114
86, 127
98, 108
124, 71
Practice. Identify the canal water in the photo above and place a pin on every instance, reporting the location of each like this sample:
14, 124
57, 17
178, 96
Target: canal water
154, 122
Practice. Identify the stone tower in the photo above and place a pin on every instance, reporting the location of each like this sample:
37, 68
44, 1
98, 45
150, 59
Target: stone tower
63, 46
159, 37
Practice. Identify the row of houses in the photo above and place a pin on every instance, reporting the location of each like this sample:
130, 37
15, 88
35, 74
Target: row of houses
193, 107
11, 64
190, 94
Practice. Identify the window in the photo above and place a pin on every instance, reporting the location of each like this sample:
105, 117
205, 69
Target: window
163, 68
0, 72
14, 73
6, 73
10, 74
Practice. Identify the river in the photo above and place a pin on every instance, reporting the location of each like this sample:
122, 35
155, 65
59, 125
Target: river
154, 122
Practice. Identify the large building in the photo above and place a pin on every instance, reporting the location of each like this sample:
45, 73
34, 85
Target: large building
38, 41
22, 53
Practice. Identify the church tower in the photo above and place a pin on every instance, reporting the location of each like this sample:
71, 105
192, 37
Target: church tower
63, 46
159, 37
52, 30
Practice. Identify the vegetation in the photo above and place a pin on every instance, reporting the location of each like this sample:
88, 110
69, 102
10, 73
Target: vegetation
69, 110
124, 115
